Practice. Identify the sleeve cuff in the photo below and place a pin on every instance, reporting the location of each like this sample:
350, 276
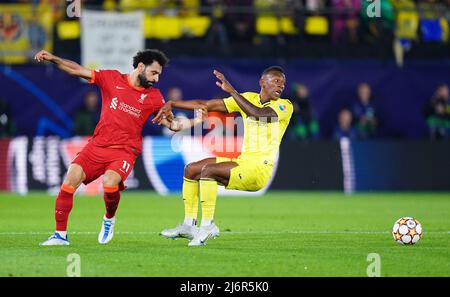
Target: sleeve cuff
92, 80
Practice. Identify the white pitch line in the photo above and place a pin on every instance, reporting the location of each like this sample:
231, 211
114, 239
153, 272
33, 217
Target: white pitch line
223, 232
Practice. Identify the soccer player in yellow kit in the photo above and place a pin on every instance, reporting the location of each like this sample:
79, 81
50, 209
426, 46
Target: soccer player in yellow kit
266, 117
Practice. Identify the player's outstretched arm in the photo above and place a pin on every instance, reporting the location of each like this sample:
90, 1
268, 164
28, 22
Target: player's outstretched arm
208, 105
249, 109
178, 124
70, 67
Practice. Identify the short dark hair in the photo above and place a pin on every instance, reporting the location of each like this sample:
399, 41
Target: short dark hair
273, 68
148, 56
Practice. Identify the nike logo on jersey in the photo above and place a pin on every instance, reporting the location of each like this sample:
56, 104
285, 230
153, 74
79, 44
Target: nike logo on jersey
120, 88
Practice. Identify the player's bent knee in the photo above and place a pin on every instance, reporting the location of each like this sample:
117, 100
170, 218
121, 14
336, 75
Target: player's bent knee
191, 171
207, 172
75, 176
111, 178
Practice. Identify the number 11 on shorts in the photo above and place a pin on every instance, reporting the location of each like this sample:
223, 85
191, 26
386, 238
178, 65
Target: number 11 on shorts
125, 166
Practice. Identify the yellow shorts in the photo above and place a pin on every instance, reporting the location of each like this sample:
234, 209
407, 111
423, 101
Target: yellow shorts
248, 175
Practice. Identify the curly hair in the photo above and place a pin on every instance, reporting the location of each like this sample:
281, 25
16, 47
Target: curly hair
148, 56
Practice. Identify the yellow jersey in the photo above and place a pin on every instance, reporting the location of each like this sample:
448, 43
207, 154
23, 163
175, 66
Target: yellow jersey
262, 138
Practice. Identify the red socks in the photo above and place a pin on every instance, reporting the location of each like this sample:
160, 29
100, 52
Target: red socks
64, 203
63, 206
112, 198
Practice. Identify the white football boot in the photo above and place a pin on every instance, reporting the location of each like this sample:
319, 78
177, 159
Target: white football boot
107, 232
204, 234
56, 239
180, 231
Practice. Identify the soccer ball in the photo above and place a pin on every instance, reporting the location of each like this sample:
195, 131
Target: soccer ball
407, 230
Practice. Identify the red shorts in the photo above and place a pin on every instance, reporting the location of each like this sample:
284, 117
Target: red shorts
96, 160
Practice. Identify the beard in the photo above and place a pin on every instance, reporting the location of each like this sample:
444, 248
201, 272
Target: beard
143, 81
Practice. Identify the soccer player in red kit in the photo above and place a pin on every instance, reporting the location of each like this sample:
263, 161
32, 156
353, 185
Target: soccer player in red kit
128, 100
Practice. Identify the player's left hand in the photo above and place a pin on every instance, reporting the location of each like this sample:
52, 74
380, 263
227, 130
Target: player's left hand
223, 83
201, 114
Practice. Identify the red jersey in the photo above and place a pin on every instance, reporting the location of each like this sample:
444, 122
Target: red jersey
125, 110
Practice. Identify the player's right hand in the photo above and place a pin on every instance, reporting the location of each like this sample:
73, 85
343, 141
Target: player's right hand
164, 112
43, 56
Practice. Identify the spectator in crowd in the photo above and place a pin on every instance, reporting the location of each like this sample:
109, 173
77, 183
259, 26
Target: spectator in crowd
378, 29
304, 124
314, 6
345, 128
406, 30
175, 94
364, 112
437, 113
430, 9
87, 117
7, 124
345, 20
241, 22
447, 14
217, 33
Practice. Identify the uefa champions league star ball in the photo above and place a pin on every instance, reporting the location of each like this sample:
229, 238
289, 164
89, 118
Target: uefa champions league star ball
407, 230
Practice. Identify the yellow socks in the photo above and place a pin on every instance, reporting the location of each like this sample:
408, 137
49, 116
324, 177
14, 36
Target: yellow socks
208, 196
190, 198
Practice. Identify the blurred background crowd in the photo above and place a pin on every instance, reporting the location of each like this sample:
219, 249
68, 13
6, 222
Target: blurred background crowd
385, 30
327, 26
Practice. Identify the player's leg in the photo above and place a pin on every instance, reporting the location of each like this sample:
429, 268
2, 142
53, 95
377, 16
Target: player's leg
193, 170
64, 202
111, 181
111, 196
191, 178
210, 176
190, 192
115, 174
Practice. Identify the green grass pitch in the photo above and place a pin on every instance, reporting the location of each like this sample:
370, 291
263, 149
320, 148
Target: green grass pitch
278, 234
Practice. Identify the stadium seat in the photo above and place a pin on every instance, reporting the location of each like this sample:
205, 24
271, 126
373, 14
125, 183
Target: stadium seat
271, 25
109, 5
267, 25
407, 25
316, 25
68, 30
195, 26
127, 5
431, 30
162, 27
288, 26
